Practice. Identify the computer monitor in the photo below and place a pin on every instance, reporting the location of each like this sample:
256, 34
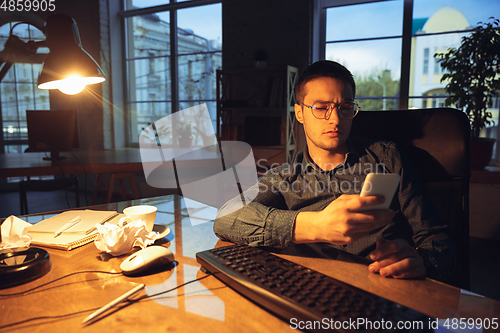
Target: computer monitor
52, 131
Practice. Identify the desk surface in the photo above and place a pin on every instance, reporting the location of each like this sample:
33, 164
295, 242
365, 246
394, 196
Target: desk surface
206, 305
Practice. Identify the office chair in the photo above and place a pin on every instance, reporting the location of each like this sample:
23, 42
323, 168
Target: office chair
59, 183
438, 140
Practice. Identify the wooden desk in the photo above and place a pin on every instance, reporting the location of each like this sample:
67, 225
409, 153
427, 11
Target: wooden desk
101, 161
120, 163
206, 305
32, 164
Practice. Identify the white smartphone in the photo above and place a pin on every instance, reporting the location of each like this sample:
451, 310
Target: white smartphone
380, 184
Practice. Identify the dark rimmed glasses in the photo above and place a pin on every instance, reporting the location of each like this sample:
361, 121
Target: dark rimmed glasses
323, 110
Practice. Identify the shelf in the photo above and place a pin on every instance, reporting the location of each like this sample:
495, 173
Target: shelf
245, 95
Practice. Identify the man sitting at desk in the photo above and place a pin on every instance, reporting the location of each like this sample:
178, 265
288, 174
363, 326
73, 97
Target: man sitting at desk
316, 200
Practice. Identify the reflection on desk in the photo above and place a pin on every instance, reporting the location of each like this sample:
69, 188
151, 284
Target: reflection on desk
205, 305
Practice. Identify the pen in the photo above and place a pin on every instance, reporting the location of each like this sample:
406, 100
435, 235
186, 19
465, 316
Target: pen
68, 225
113, 303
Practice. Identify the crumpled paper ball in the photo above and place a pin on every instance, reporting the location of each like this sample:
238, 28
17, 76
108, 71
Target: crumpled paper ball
121, 239
14, 234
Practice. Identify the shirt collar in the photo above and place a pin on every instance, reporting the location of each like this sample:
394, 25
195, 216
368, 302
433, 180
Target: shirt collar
351, 158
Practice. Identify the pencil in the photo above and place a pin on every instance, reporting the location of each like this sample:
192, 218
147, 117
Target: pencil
112, 303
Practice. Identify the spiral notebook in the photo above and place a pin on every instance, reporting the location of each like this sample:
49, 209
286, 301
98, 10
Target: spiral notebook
83, 232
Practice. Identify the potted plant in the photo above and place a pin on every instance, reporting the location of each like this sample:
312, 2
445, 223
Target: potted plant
472, 73
184, 135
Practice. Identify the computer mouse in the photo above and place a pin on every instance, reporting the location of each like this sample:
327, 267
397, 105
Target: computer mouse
146, 258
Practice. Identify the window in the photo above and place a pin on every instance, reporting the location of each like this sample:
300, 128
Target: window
437, 67
372, 55
426, 61
19, 92
172, 54
152, 69
389, 47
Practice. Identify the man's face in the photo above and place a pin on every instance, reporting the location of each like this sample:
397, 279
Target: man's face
323, 134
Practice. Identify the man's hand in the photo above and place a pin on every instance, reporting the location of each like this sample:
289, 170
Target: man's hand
340, 222
396, 258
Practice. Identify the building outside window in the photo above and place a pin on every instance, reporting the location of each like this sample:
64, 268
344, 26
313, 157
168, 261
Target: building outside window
426, 61
172, 54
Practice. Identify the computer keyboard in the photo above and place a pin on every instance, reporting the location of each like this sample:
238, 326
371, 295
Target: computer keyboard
305, 298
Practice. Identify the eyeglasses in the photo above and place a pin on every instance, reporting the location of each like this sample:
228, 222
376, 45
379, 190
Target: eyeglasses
323, 110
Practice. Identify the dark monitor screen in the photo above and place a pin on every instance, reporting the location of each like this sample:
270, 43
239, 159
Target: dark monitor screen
52, 131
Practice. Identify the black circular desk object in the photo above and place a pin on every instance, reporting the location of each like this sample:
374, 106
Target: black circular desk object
20, 267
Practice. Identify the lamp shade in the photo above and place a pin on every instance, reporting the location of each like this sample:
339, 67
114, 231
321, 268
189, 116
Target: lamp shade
68, 67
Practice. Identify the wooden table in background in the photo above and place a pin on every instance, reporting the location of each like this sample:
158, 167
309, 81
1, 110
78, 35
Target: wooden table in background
120, 163
104, 161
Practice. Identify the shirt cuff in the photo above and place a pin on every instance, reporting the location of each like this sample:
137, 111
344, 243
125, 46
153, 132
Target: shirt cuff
279, 227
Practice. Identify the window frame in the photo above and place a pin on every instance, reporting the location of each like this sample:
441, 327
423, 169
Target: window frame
172, 8
319, 51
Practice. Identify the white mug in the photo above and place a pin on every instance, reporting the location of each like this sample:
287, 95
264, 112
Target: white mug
143, 212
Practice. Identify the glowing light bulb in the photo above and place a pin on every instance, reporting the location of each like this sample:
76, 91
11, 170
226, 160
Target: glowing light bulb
72, 85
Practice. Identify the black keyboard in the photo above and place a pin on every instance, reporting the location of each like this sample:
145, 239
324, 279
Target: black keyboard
305, 298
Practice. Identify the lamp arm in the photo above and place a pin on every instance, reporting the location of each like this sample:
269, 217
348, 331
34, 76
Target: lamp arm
3, 57
4, 68
15, 49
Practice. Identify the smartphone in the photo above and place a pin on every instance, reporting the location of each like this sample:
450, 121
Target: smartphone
380, 184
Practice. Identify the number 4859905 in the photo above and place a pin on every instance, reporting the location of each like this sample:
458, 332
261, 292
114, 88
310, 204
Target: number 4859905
470, 323
28, 5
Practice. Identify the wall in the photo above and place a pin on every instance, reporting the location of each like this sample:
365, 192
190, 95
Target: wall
281, 28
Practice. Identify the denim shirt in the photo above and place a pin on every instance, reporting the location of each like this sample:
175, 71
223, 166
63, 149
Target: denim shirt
286, 190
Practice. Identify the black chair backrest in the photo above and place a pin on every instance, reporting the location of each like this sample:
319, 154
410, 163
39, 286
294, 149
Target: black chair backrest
438, 140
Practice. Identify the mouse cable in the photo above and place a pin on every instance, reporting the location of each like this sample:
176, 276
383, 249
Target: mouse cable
26, 292
25, 321
169, 290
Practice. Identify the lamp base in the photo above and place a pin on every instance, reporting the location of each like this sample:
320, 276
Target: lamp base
54, 156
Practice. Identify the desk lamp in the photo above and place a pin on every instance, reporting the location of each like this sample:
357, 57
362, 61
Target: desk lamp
68, 67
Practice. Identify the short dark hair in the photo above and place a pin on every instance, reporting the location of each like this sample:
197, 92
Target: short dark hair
323, 68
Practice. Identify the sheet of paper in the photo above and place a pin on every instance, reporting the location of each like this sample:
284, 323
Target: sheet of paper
89, 218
